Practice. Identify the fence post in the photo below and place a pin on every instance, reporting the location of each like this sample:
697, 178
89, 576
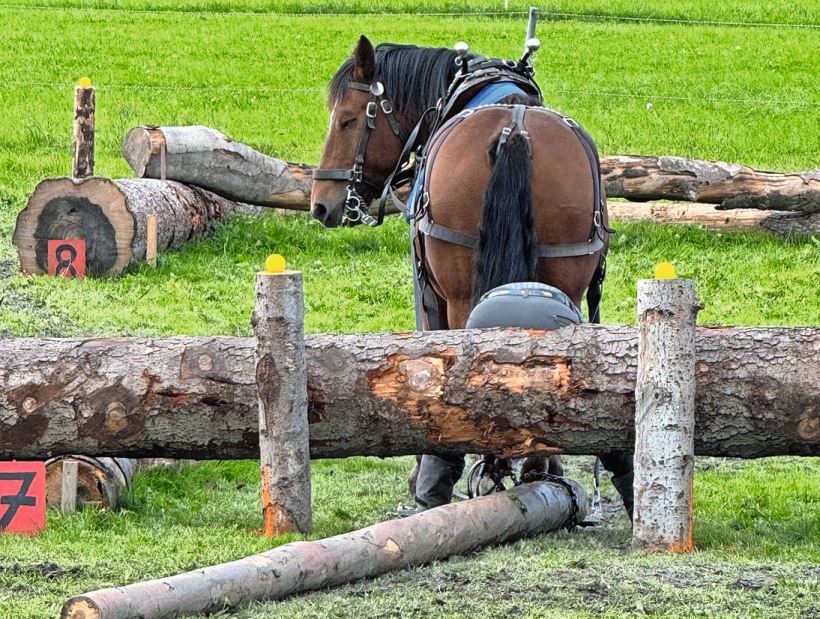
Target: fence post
665, 414
281, 378
84, 110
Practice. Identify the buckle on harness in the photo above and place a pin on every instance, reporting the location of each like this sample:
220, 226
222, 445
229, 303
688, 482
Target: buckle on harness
372, 108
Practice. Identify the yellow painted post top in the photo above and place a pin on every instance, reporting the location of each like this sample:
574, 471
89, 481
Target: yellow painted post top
85, 82
275, 263
665, 270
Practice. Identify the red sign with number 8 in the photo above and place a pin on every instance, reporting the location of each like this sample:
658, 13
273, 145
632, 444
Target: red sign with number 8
66, 258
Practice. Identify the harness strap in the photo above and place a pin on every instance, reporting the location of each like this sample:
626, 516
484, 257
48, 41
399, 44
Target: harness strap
442, 233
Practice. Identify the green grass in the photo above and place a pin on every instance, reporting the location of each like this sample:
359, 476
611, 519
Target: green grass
798, 12
737, 93
757, 530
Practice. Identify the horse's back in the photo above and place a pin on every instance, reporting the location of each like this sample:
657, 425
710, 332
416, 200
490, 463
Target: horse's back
563, 196
563, 179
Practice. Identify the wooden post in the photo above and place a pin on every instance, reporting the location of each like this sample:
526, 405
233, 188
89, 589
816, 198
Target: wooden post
84, 106
281, 379
151, 240
665, 415
68, 497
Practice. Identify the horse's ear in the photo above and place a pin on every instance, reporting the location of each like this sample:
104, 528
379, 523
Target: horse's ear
364, 61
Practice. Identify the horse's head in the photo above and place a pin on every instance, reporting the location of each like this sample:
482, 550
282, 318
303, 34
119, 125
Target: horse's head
363, 143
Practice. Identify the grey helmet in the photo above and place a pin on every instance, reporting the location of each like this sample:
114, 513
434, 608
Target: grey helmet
529, 305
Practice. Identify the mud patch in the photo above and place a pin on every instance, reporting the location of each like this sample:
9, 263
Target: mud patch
48, 570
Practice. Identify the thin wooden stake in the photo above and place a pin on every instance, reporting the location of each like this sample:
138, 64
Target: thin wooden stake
665, 415
281, 379
68, 498
151, 240
84, 110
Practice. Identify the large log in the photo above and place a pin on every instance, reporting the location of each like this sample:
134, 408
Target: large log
208, 158
729, 185
205, 157
111, 217
503, 391
712, 218
458, 528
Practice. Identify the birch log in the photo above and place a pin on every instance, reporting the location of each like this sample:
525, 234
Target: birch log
278, 322
504, 391
111, 216
454, 529
665, 415
205, 157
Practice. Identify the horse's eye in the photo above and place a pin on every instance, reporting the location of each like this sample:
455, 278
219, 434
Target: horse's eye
347, 124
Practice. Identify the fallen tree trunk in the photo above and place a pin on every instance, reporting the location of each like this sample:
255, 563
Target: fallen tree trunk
208, 158
729, 185
458, 528
504, 391
111, 217
100, 481
710, 217
205, 157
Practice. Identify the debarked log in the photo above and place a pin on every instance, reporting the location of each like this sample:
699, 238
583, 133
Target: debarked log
208, 158
458, 528
111, 217
502, 391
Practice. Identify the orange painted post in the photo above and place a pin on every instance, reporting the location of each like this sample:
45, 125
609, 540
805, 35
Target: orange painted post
665, 412
281, 378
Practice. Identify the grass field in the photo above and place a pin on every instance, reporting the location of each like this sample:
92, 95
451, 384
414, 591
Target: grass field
744, 90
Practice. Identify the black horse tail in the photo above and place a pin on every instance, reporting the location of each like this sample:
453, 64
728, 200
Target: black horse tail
506, 243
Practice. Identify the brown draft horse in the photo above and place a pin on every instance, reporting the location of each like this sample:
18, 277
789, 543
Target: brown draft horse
516, 199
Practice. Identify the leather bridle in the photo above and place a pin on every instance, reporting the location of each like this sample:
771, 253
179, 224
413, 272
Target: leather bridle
356, 210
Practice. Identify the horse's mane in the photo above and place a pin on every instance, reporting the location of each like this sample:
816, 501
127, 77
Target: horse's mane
414, 77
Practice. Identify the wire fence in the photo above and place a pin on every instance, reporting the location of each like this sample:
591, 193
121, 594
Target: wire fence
648, 97
544, 14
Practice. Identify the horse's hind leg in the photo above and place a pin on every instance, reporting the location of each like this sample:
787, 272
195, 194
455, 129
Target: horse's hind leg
620, 464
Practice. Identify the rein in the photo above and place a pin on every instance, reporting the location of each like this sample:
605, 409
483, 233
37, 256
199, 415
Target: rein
356, 209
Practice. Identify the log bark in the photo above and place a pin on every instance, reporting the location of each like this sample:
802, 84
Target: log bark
505, 391
710, 217
458, 528
208, 158
84, 113
205, 157
100, 481
729, 185
665, 415
278, 323
111, 216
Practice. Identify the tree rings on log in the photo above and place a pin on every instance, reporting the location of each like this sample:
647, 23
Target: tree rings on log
100, 481
111, 217
63, 208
